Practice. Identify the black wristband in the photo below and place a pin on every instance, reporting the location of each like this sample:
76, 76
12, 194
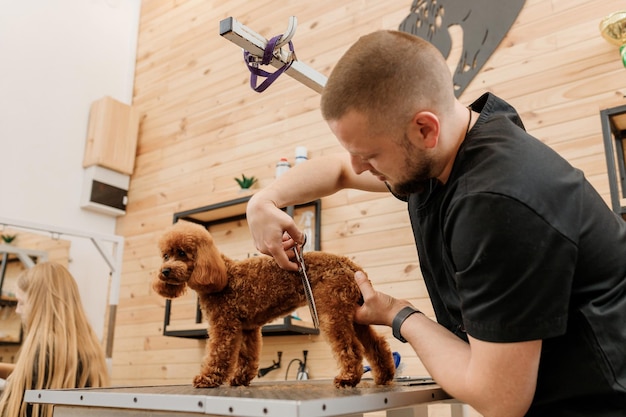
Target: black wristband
399, 319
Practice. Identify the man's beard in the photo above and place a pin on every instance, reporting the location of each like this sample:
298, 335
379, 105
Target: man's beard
412, 186
419, 168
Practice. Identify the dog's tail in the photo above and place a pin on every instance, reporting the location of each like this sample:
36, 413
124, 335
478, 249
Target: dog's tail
378, 354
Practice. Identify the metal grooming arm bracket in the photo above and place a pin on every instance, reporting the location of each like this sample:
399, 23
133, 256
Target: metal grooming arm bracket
255, 44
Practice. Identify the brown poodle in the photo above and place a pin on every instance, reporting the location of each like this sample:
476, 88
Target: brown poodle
238, 297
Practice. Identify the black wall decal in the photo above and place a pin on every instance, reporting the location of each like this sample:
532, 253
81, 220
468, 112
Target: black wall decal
484, 24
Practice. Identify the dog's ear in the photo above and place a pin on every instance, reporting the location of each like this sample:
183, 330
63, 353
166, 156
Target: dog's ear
167, 290
209, 273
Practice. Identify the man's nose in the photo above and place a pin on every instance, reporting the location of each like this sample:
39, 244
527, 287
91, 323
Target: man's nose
358, 164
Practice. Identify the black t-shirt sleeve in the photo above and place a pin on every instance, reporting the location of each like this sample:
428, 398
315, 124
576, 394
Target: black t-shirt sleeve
513, 270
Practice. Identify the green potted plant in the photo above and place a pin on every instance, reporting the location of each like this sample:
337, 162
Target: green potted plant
8, 238
245, 182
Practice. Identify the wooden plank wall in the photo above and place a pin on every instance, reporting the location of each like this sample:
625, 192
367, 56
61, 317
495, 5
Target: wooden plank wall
202, 125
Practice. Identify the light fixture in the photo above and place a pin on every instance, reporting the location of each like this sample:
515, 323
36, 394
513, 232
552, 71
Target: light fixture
613, 29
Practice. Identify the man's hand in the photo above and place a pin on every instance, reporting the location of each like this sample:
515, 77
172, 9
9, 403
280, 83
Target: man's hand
377, 308
274, 232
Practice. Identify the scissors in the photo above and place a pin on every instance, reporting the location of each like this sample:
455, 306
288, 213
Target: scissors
306, 284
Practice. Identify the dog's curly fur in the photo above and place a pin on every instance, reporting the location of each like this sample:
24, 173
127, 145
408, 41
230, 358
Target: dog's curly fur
238, 297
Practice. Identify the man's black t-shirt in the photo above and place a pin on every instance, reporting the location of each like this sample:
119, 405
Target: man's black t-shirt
518, 246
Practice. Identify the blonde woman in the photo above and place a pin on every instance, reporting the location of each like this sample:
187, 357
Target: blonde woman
60, 349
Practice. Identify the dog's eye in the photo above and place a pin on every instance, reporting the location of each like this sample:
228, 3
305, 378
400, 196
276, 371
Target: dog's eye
181, 253
166, 257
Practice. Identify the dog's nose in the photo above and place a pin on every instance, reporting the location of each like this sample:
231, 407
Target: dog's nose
165, 272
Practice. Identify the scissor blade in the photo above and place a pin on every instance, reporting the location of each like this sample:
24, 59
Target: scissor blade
310, 301
308, 293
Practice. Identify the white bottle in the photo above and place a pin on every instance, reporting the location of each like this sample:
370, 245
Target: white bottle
306, 219
282, 166
301, 154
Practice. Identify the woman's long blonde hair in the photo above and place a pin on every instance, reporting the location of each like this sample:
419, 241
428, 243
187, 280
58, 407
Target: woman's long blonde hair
60, 349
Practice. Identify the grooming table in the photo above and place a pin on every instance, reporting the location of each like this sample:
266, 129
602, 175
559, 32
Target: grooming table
312, 398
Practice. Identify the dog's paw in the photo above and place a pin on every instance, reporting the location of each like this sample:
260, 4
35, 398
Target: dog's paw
203, 381
238, 382
384, 377
383, 380
343, 381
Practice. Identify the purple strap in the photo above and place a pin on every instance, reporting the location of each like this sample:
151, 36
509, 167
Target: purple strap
253, 65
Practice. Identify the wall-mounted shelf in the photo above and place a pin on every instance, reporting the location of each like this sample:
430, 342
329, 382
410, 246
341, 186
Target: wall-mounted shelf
285, 327
227, 221
8, 301
614, 134
10, 322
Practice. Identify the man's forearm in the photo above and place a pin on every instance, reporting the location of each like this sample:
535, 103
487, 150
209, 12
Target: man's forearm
495, 378
305, 182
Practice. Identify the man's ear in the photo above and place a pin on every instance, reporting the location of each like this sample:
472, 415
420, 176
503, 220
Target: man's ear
425, 128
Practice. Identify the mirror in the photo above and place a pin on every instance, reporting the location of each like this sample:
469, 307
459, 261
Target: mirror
20, 254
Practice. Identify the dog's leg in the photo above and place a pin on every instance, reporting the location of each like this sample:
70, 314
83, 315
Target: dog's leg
248, 360
347, 349
222, 350
378, 354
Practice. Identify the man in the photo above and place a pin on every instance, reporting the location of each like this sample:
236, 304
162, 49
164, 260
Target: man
524, 262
